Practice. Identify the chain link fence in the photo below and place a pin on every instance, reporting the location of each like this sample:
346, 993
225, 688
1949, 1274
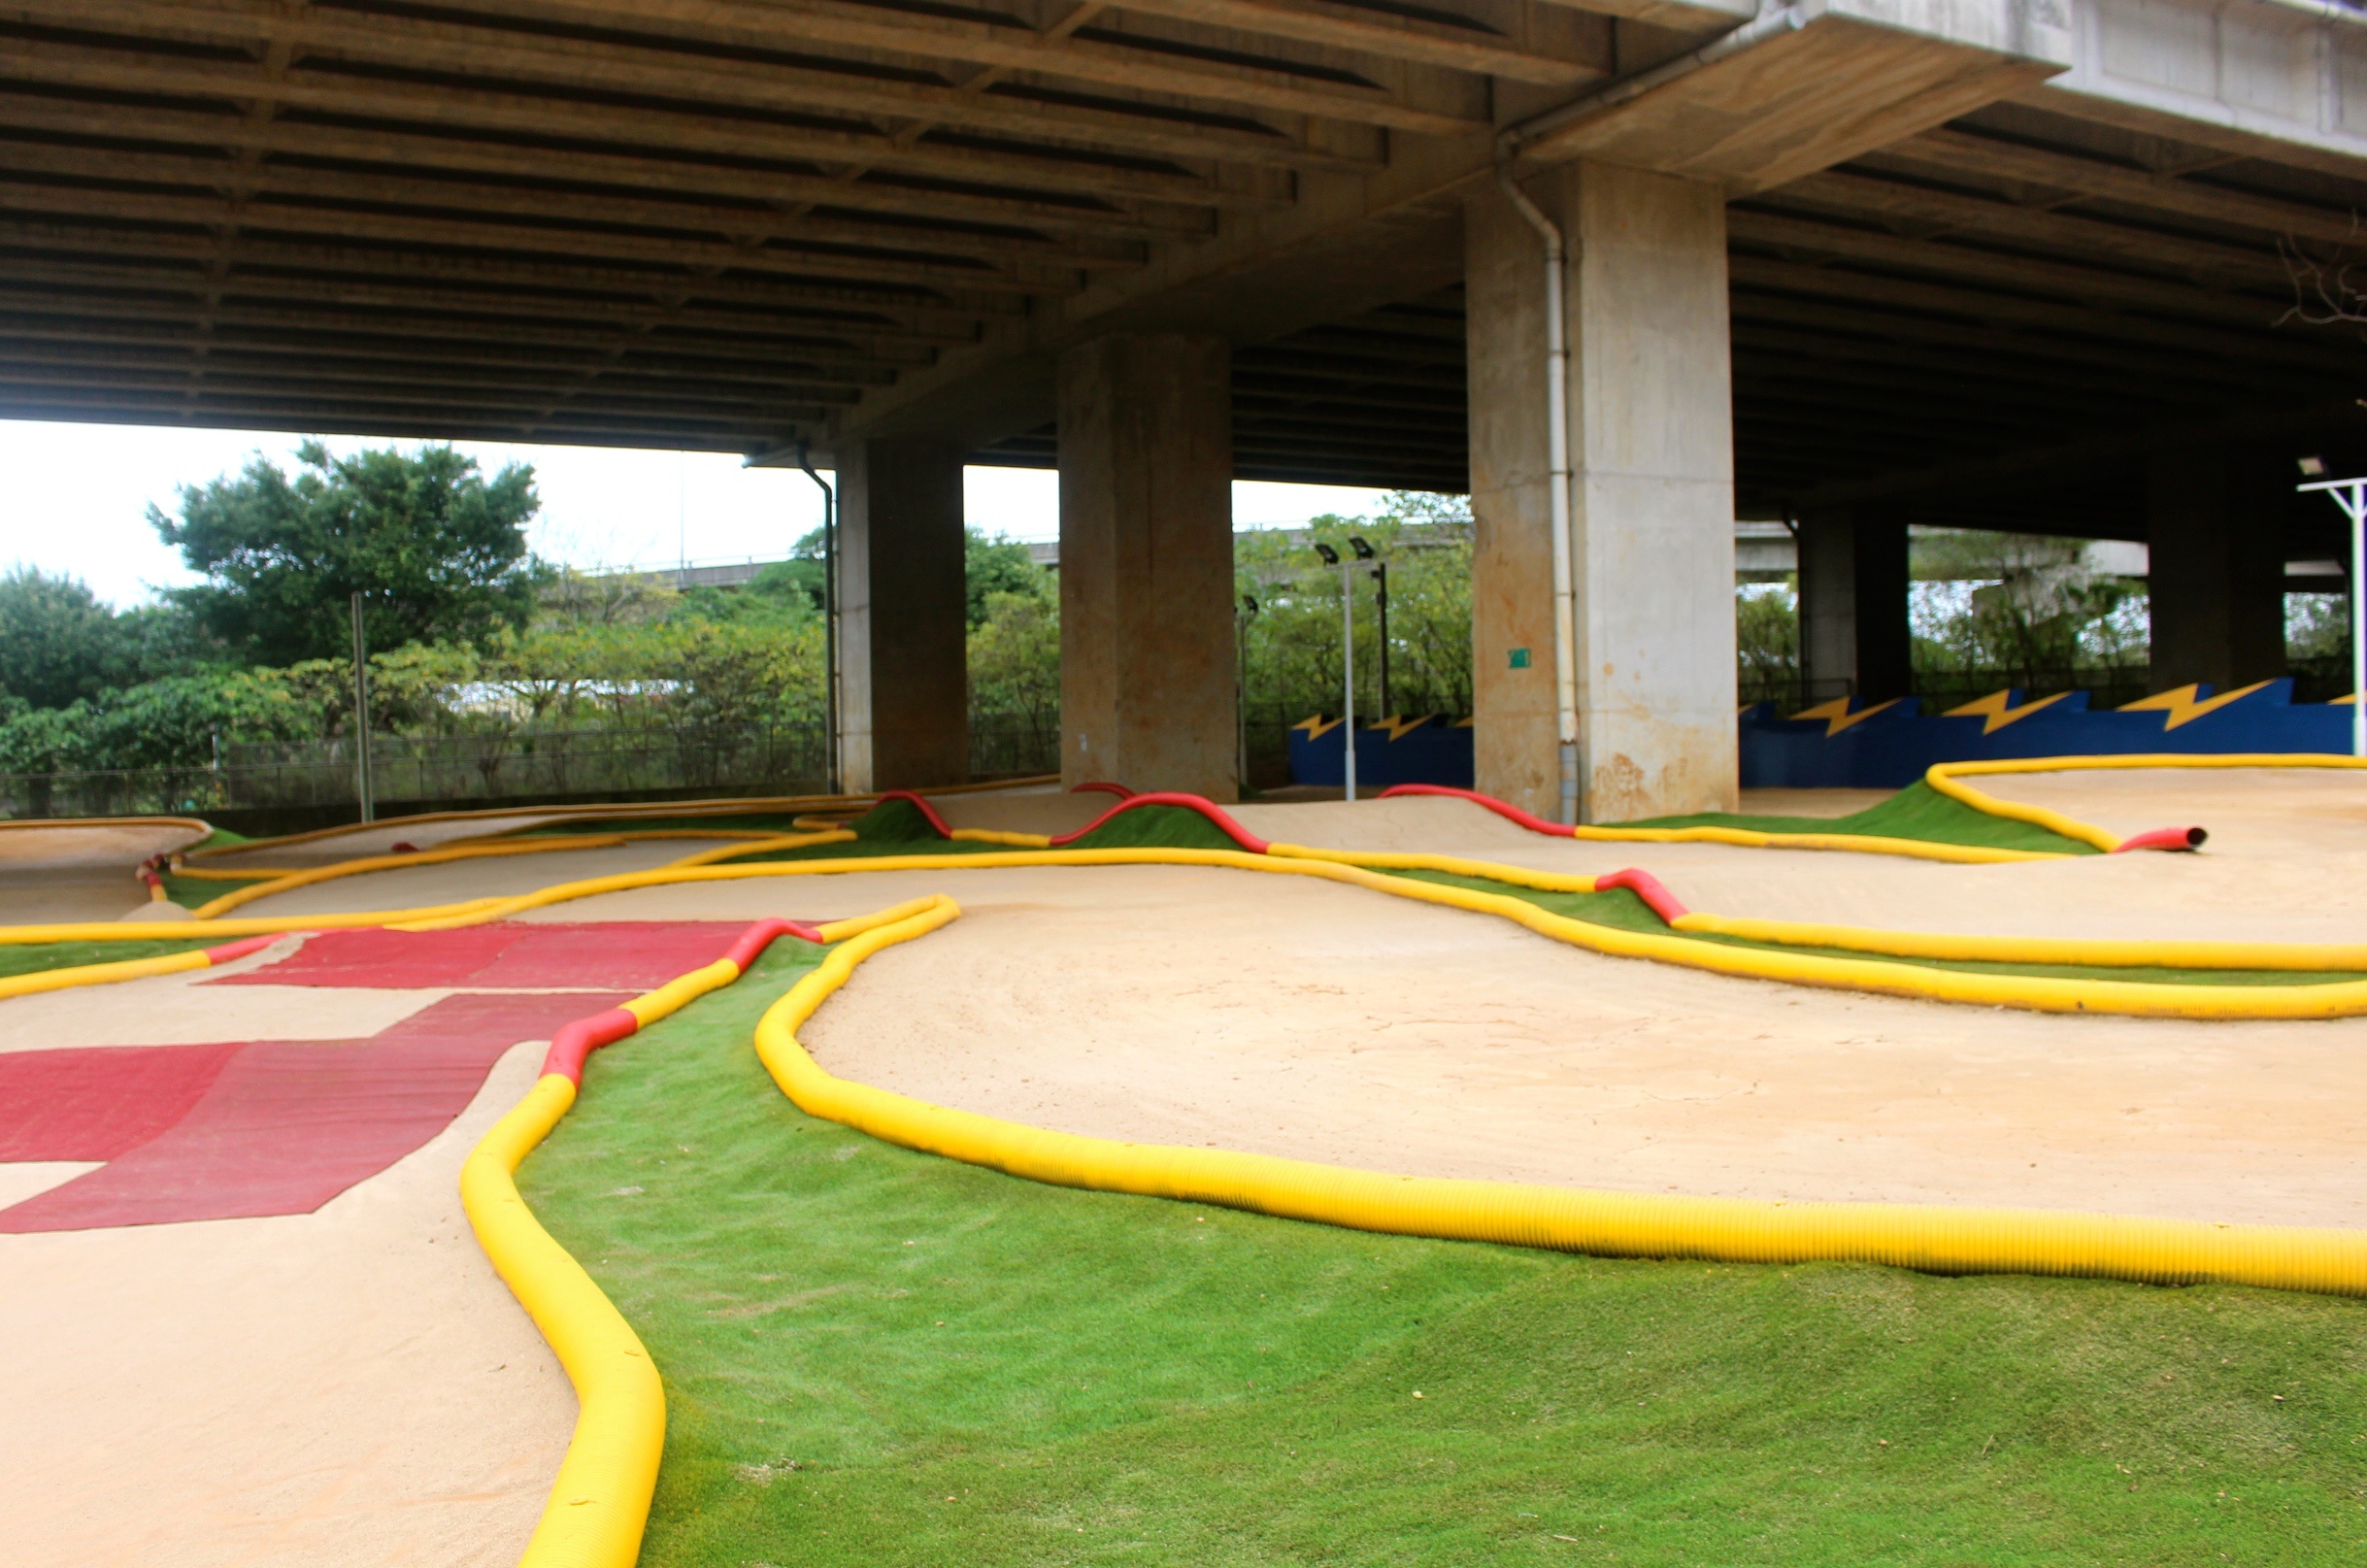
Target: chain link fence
460, 771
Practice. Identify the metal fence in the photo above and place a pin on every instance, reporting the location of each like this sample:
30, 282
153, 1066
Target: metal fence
459, 771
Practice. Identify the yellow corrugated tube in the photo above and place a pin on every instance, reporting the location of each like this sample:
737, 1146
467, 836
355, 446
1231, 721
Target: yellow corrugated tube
1613, 1224
600, 1502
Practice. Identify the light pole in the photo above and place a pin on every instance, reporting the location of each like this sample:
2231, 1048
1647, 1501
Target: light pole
1242, 617
2351, 494
1380, 607
361, 716
1348, 665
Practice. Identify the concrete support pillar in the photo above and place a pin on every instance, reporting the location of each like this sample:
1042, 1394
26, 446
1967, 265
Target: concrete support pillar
904, 693
2215, 575
1854, 638
1146, 670
1828, 606
1651, 409
1885, 646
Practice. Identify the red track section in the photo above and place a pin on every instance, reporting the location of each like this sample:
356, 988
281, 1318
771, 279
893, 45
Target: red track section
230, 951
2164, 838
927, 810
1102, 785
1161, 797
279, 1128
283, 1126
1647, 887
580, 1038
612, 956
100, 1104
761, 935
1502, 807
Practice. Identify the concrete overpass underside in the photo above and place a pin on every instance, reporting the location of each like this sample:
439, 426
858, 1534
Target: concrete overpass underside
1856, 264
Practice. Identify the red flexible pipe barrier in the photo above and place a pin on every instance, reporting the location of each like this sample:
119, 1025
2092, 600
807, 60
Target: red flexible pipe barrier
1102, 785
760, 936
927, 810
230, 951
1502, 807
1166, 797
2164, 838
579, 1039
1646, 887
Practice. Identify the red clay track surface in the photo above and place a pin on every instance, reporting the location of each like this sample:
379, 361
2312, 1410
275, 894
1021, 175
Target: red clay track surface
271, 1127
503, 957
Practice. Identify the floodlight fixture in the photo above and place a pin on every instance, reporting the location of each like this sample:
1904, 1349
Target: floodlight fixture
1331, 556
1364, 552
1248, 602
2312, 467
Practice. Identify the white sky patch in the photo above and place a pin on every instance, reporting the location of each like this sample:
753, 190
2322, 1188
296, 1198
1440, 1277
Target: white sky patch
74, 498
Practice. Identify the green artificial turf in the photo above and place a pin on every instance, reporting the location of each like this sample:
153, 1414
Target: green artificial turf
30, 958
1916, 812
875, 1358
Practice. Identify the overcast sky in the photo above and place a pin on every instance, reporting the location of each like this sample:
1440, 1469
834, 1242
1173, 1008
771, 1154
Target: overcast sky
74, 498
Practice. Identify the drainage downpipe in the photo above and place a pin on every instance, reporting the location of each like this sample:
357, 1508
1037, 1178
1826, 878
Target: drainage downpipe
833, 782
1557, 455
1509, 144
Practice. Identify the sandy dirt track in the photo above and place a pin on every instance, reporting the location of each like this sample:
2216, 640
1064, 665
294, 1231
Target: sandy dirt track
53, 871
1294, 1018
342, 1389
355, 1386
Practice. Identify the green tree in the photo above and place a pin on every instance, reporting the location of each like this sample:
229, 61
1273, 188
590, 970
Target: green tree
1014, 661
1293, 641
436, 552
57, 642
1767, 640
999, 564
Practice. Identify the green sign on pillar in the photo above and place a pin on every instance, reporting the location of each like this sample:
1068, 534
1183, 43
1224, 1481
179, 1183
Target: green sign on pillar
1520, 658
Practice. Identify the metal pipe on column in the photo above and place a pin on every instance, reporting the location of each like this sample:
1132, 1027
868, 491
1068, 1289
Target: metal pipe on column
363, 789
1348, 665
830, 683
1557, 460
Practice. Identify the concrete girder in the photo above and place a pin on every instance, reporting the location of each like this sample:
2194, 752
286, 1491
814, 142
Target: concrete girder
1839, 84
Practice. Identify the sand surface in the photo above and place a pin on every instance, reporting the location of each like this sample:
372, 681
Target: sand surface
1168, 1004
378, 838
341, 1389
452, 881
57, 872
355, 1386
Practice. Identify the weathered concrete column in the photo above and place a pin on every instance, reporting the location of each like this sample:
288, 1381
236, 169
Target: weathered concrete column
2215, 575
1885, 644
904, 701
1854, 638
1147, 668
1828, 606
1651, 444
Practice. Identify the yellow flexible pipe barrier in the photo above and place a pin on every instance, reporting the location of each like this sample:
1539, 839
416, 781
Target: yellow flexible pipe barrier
105, 974
1948, 778
1603, 1224
600, 1503
2038, 994
288, 882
